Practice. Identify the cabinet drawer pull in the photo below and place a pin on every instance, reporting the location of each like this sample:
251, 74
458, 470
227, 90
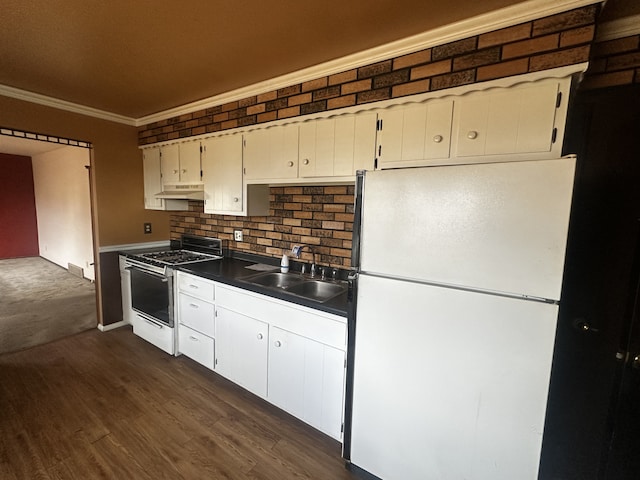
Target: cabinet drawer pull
191, 285
438, 138
277, 343
259, 336
191, 337
472, 135
193, 305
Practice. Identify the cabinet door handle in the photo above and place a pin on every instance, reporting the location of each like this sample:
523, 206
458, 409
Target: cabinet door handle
191, 337
236, 199
259, 336
193, 286
306, 161
472, 135
438, 138
193, 305
277, 343
290, 163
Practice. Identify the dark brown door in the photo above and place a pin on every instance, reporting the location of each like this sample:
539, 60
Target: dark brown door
622, 457
592, 420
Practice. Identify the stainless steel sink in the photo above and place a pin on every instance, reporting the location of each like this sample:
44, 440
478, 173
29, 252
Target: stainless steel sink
275, 280
316, 290
299, 285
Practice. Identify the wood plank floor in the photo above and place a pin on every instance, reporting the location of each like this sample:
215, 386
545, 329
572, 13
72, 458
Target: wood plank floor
109, 405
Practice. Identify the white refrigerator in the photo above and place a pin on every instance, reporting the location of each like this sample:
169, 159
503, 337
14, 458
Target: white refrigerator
453, 317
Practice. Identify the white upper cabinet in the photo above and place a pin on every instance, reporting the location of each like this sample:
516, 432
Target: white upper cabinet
224, 189
222, 174
152, 178
516, 120
337, 146
181, 163
414, 133
521, 122
271, 153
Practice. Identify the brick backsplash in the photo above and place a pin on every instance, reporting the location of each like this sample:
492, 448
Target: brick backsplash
321, 216
614, 63
554, 41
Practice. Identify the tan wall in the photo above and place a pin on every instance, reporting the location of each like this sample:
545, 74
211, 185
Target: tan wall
117, 168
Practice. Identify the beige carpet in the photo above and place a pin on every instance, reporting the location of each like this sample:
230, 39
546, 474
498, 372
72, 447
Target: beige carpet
41, 302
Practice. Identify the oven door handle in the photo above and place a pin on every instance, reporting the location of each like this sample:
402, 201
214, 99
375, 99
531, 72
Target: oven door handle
162, 277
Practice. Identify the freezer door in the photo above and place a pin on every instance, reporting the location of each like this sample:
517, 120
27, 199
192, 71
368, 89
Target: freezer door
499, 226
448, 384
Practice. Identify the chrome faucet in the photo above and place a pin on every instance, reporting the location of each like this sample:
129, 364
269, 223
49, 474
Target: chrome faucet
297, 250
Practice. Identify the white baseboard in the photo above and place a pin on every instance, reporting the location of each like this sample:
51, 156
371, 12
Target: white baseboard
111, 326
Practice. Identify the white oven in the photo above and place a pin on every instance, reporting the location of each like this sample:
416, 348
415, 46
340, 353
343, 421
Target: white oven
152, 287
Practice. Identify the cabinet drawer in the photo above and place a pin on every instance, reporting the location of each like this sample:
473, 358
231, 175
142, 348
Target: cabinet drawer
159, 335
196, 314
196, 287
196, 346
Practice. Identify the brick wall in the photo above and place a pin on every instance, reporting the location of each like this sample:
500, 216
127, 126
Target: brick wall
614, 63
555, 41
321, 216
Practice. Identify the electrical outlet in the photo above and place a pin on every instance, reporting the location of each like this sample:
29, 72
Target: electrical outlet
147, 227
237, 235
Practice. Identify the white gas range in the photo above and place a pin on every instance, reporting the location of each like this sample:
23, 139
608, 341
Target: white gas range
152, 287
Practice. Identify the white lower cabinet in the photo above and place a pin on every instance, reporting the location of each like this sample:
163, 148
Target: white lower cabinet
196, 346
241, 354
292, 356
287, 354
306, 378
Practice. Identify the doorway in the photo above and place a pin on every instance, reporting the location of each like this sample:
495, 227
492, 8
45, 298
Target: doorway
592, 419
59, 272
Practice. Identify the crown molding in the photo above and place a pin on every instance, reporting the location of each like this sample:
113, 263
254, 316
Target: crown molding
505, 17
32, 97
620, 28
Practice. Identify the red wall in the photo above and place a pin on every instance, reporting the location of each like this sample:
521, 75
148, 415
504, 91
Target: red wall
18, 226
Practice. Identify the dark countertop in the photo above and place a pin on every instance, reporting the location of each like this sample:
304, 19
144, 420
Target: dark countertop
231, 269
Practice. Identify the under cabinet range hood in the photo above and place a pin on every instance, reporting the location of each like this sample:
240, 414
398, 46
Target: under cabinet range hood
182, 192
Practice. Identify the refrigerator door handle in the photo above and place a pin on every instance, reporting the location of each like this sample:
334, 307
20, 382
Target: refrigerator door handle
357, 219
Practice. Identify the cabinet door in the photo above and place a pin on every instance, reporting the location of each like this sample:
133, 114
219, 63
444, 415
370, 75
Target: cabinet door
415, 134
355, 143
170, 163
222, 174
317, 148
190, 162
271, 153
152, 178
337, 146
241, 350
306, 378
507, 121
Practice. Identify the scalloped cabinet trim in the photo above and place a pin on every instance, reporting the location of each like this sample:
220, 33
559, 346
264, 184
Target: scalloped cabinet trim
510, 119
